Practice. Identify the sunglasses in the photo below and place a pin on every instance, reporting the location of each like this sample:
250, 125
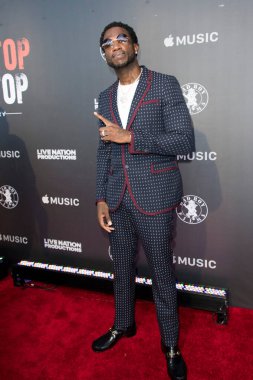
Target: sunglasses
108, 42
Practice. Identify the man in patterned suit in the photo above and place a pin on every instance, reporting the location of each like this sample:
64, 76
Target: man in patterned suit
143, 125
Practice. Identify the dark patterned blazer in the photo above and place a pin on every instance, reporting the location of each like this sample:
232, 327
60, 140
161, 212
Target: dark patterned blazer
161, 129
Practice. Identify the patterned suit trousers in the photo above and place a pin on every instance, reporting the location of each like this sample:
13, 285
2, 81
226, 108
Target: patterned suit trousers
155, 234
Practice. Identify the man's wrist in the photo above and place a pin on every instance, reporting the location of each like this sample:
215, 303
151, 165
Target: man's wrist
100, 201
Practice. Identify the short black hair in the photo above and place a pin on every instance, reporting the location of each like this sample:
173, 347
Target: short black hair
120, 24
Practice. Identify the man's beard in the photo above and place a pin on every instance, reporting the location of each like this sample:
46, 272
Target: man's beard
128, 62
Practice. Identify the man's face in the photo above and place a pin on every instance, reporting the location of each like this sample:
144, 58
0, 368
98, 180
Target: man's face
119, 54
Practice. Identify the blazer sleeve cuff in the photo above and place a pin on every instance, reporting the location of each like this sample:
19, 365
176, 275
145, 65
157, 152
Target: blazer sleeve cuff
131, 146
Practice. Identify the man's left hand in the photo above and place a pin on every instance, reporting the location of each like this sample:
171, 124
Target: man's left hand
112, 132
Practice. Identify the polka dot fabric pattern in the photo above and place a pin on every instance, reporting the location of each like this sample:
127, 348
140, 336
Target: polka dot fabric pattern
155, 233
161, 129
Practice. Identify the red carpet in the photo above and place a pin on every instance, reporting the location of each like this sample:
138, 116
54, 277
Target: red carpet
47, 334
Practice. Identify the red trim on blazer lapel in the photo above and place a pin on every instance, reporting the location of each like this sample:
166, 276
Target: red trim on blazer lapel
139, 95
113, 104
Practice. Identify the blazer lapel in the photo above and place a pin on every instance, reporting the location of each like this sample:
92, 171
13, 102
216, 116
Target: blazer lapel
140, 93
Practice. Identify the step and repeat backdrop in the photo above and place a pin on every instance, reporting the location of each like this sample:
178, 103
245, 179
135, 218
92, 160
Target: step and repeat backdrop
51, 72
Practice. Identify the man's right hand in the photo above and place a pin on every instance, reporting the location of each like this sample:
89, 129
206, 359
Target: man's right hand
104, 219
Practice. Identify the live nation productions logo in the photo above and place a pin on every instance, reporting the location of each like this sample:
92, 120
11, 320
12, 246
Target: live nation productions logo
63, 245
57, 154
192, 209
12, 59
8, 197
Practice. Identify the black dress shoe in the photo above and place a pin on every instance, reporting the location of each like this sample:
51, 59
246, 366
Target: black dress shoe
175, 364
109, 339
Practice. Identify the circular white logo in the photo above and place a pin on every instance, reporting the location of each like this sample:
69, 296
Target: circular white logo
192, 209
196, 97
8, 197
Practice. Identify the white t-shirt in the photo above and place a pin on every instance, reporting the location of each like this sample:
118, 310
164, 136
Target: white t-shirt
125, 97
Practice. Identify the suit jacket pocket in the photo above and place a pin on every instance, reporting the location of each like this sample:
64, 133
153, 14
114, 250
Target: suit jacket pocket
151, 101
162, 167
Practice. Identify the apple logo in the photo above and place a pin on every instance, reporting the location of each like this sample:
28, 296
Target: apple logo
168, 41
45, 199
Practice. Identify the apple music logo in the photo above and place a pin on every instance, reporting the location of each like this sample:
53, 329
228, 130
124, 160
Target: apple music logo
60, 201
190, 39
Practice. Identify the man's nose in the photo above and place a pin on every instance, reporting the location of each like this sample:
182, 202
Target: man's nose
116, 45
